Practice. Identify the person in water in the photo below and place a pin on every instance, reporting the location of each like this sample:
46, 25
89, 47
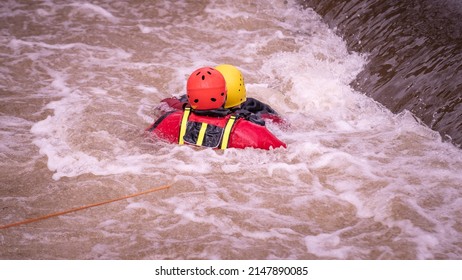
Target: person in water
237, 100
204, 120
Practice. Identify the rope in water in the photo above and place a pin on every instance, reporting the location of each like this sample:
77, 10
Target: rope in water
28, 221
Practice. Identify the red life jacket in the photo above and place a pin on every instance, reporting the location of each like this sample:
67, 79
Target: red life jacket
213, 131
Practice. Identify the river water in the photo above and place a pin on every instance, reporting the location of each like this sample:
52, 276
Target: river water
414, 51
81, 80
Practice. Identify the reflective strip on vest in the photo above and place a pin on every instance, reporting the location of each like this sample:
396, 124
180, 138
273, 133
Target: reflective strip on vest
200, 138
229, 125
184, 122
203, 129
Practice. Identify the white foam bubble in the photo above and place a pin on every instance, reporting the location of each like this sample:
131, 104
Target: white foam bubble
328, 245
98, 10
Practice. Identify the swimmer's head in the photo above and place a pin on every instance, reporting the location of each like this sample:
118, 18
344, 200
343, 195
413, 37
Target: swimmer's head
206, 89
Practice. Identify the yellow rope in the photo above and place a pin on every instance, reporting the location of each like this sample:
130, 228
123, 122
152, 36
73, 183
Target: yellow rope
82, 208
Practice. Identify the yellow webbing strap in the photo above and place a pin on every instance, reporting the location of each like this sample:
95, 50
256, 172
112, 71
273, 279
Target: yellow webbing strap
184, 122
200, 137
227, 132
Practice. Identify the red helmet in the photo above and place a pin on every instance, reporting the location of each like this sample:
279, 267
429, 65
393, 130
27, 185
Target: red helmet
206, 89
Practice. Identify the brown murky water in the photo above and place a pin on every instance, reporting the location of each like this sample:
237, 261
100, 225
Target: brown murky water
79, 82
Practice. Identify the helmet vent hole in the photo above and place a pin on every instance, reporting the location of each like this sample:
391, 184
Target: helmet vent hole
196, 100
198, 73
213, 99
222, 94
209, 73
203, 77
